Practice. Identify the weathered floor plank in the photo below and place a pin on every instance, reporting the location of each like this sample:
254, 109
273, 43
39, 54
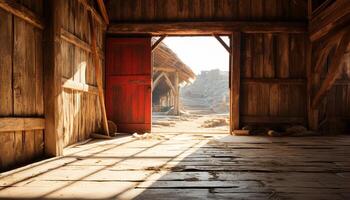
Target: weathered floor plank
189, 166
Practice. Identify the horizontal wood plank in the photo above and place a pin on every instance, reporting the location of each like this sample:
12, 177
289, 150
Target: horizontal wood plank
22, 12
272, 119
288, 81
74, 85
206, 28
71, 38
8, 124
74, 40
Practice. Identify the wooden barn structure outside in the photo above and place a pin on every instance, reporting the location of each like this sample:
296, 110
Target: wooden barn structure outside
69, 66
168, 73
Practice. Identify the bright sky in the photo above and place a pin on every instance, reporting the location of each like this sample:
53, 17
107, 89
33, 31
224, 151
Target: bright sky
200, 53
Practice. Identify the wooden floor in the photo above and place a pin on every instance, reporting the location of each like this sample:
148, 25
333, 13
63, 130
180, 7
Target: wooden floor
190, 166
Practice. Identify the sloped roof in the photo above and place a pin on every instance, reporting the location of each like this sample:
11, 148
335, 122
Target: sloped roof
165, 59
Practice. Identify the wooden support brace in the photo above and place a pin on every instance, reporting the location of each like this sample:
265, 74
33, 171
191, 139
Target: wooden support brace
155, 45
334, 69
98, 73
168, 81
156, 81
22, 12
222, 42
103, 10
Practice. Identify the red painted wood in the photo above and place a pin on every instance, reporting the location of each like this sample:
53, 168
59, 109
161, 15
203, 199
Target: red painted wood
128, 83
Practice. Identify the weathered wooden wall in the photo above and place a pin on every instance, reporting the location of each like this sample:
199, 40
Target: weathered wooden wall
205, 10
81, 110
273, 79
273, 65
334, 111
21, 85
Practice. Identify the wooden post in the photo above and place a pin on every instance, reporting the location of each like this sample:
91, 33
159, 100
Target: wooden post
52, 79
312, 82
98, 74
235, 80
177, 95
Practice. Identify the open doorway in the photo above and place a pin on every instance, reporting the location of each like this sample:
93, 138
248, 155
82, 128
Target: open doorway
190, 89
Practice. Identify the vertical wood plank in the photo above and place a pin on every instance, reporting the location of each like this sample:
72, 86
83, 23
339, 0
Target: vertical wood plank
235, 70
6, 48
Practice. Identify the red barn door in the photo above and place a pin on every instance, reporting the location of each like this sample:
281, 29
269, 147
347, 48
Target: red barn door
128, 83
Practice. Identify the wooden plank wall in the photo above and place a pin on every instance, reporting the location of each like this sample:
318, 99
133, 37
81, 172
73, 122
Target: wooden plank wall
273, 79
206, 10
81, 110
273, 66
21, 85
334, 112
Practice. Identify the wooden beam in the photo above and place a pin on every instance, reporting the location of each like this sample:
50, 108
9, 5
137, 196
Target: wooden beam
22, 12
337, 14
155, 45
11, 124
334, 69
74, 85
156, 81
71, 38
103, 10
168, 81
74, 40
235, 76
222, 42
52, 79
176, 94
281, 81
94, 13
312, 82
272, 120
206, 28
98, 73
324, 47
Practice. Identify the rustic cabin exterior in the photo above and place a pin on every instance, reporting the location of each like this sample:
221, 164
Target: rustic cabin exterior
71, 68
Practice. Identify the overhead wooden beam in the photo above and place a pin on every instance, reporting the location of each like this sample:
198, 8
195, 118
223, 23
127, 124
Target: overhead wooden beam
334, 69
103, 10
22, 12
337, 14
74, 85
206, 28
235, 80
11, 124
222, 42
52, 79
98, 73
155, 45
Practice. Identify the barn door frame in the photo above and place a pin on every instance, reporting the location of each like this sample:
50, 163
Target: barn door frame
235, 81
234, 50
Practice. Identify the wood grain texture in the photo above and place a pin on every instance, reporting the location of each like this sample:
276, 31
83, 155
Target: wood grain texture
21, 99
22, 12
8, 124
205, 10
